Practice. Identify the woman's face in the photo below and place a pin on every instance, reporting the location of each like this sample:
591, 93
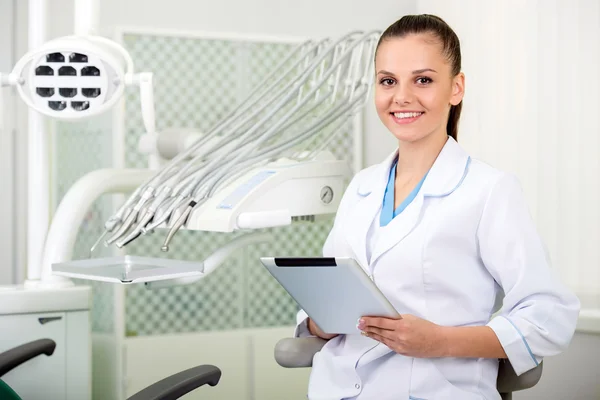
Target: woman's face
415, 87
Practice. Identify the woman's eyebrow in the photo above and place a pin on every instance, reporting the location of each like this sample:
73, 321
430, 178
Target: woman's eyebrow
415, 72
420, 71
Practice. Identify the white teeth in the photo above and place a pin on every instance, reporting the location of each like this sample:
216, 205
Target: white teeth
407, 115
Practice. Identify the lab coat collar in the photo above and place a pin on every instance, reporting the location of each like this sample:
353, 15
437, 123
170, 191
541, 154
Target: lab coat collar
446, 174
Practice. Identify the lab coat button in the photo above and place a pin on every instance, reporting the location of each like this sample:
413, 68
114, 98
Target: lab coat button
357, 386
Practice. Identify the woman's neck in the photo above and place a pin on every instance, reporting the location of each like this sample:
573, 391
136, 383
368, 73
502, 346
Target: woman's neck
416, 158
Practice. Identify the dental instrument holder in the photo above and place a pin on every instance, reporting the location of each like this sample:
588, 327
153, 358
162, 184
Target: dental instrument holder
264, 197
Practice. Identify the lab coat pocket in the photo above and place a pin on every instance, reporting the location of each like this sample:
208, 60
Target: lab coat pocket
332, 377
428, 383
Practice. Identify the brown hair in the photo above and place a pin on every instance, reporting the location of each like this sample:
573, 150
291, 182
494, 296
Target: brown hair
425, 23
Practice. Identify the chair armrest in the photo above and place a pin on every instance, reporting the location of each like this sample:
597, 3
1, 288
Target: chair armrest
179, 384
18, 355
297, 352
508, 381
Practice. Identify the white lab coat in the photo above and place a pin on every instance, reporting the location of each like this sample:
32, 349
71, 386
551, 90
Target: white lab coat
466, 242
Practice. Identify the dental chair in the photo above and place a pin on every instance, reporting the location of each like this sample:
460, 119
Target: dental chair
299, 353
170, 388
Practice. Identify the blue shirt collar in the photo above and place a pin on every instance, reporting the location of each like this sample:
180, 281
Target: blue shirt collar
387, 211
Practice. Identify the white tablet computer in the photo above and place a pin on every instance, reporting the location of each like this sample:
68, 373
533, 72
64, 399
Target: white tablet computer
334, 292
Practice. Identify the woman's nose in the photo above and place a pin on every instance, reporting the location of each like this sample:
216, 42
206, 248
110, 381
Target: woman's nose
403, 95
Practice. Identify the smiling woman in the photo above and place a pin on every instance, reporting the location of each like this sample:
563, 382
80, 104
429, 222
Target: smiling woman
445, 237
418, 94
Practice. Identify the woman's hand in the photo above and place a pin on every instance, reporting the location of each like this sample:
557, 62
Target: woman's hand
410, 336
315, 330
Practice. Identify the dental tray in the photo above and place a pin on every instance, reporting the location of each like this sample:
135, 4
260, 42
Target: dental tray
128, 269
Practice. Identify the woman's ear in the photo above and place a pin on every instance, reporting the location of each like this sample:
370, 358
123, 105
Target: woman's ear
458, 89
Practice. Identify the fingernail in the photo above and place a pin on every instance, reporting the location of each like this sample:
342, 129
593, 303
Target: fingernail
364, 333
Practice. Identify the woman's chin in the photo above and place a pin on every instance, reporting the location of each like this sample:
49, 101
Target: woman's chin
412, 135
409, 137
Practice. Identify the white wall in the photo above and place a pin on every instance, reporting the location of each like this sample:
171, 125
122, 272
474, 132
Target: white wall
7, 262
572, 375
19, 121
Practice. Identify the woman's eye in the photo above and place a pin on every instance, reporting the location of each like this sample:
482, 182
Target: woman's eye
387, 81
424, 80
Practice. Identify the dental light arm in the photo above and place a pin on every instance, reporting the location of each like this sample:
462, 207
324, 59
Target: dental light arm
145, 82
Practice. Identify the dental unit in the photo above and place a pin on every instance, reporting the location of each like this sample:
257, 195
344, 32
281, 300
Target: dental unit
264, 165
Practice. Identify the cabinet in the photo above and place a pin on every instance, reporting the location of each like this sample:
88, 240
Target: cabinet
61, 315
42, 374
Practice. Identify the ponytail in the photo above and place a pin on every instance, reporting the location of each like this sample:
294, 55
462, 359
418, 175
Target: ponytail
453, 118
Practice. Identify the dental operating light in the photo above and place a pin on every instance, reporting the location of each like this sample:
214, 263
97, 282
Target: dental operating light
76, 77
72, 78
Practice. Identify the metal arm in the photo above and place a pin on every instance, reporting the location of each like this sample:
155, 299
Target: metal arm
72, 210
298, 352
